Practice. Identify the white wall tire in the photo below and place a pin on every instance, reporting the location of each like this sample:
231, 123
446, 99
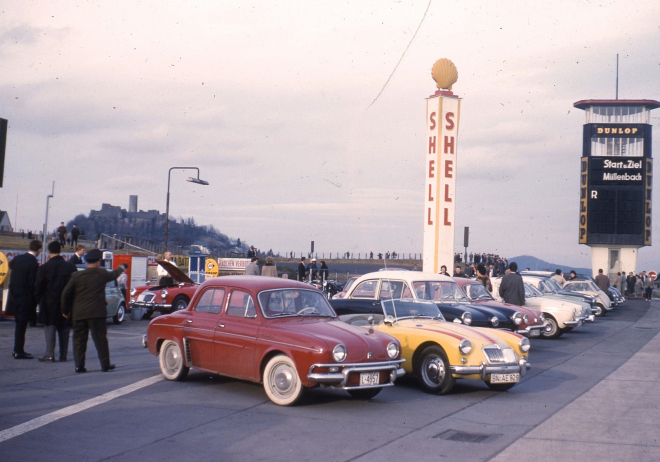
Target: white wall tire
281, 381
171, 361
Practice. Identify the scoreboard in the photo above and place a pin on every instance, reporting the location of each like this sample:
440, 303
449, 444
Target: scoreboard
615, 191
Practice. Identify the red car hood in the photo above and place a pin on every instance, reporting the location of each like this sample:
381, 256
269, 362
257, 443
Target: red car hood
175, 272
358, 340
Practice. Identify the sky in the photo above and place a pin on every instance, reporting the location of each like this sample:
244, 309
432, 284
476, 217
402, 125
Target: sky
277, 104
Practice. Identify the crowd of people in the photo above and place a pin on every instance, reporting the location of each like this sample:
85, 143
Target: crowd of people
633, 285
68, 299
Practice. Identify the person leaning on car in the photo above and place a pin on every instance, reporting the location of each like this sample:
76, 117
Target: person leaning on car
602, 281
512, 289
559, 277
83, 300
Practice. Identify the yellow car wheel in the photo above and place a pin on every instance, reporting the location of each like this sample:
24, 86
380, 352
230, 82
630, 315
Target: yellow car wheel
432, 371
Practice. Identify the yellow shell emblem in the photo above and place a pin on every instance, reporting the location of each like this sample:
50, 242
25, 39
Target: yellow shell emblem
444, 73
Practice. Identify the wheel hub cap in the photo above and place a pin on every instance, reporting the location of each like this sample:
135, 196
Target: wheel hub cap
435, 370
283, 380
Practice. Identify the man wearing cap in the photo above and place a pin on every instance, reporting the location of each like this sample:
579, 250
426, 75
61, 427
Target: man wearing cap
83, 300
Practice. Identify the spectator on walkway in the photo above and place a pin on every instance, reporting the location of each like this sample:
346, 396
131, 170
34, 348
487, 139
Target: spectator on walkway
269, 268
75, 233
52, 277
21, 298
301, 269
84, 303
312, 269
252, 269
324, 272
61, 232
648, 287
512, 289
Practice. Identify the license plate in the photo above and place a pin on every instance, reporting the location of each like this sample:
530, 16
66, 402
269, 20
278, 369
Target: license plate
369, 378
535, 333
504, 378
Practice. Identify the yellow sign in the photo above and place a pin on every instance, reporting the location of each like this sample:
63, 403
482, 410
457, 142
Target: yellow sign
181, 261
4, 267
212, 267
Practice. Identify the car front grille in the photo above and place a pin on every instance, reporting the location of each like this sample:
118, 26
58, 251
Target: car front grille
500, 355
146, 297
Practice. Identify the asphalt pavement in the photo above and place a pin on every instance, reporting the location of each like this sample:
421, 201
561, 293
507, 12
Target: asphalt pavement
591, 395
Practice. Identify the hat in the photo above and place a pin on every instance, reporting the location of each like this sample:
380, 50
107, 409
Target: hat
93, 256
313, 259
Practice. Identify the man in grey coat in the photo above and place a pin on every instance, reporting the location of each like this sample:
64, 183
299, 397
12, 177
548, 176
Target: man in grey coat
512, 289
83, 300
252, 269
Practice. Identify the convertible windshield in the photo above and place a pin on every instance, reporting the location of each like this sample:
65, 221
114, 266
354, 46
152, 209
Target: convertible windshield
546, 287
439, 291
554, 284
294, 302
410, 308
477, 292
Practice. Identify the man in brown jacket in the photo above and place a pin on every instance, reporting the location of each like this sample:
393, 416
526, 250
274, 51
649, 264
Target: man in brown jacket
83, 299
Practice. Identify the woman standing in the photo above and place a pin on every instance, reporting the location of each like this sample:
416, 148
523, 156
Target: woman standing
269, 268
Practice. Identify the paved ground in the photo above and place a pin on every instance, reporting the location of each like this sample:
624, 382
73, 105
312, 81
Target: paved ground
591, 395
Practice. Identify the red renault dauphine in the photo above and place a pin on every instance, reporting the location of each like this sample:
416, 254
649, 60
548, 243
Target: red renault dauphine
276, 331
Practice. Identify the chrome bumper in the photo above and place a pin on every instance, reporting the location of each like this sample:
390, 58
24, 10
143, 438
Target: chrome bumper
576, 322
528, 330
144, 341
339, 379
520, 368
151, 305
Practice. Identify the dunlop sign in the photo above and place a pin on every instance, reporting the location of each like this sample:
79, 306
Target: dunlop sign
584, 186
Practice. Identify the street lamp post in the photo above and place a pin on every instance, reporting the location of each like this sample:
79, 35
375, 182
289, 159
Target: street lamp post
43, 237
167, 207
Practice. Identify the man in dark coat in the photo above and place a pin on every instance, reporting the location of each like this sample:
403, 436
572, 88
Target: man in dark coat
602, 281
512, 289
76, 259
83, 301
52, 277
61, 232
75, 233
22, 300
301, 269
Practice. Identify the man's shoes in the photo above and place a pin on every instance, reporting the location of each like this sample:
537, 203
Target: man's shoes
62, 358
80, 369
47, 359
108, 368
21, 355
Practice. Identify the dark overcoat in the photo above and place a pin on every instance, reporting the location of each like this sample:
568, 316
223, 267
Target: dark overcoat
22, 297
52, 277
84, 295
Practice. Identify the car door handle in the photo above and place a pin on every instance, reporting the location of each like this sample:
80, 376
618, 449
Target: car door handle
221, 325
189, 321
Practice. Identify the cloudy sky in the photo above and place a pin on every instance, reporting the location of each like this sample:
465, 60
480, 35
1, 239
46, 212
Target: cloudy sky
273, 102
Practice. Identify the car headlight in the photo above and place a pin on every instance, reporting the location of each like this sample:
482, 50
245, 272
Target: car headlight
133, 291
392, 350
526, 319
524, 344
466, 318
465, 347
339, 353
517, 318
163, 293
494, 321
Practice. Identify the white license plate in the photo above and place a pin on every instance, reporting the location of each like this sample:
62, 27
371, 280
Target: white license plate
369, 378
504, 378
535, 333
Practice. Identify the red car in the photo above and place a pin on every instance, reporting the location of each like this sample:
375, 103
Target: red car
276, 331
166, 298
532, 322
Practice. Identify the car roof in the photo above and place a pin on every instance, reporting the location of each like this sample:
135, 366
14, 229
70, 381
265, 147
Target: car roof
408, 276
257, 283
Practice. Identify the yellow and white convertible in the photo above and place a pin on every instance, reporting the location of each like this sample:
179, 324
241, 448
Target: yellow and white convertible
438, 352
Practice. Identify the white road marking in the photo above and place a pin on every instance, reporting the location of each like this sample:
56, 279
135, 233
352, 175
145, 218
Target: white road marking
73, 409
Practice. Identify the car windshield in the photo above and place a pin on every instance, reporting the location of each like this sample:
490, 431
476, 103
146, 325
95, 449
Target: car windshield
401, 308
294, 302
552, 283
593, 286
531, 291
546, 287
349, 283
477, 292
439, 291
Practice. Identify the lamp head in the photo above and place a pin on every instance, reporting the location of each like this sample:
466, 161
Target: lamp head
198, 181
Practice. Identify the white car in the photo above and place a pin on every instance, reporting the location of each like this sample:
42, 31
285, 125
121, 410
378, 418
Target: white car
548, 289
590, 288
561, 315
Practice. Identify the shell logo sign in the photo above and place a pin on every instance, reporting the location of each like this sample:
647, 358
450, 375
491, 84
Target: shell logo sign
212, 269
4, 267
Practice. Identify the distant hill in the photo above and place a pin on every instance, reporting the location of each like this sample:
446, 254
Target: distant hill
150, 225
536, 264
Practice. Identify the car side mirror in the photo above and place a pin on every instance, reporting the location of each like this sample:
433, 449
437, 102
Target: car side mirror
389, 320
370, 319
